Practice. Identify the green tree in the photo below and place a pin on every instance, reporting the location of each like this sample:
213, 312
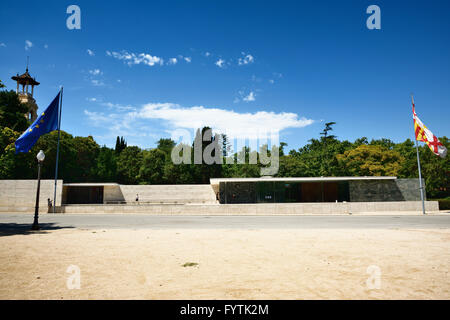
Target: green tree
371, 160
129, 163
244, 169
12, 112
87, 153
152, 168
179, 173
409, 166
120, 144
166, 145
203, 172
282, 146
435, 171
105, 169
7, 137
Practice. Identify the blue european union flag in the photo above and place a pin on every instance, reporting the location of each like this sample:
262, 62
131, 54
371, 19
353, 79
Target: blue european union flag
46, 122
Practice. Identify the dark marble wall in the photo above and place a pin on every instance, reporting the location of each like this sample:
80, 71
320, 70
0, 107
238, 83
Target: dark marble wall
359, 190
237, 192
384, 190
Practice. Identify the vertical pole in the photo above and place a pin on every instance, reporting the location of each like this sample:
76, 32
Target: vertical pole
57, 149
36, 208
418, 161
420, 179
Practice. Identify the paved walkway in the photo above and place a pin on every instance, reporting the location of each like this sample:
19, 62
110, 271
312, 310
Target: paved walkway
142, 221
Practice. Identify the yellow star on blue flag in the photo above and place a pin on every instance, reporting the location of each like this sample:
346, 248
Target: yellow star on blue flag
46, 122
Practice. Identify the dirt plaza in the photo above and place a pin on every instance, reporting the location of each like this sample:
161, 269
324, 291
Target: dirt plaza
114, 263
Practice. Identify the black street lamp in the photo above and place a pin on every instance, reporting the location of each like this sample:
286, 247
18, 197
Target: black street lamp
40, 157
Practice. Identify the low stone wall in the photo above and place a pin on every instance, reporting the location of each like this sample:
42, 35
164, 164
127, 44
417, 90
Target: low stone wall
258, 209
20, 195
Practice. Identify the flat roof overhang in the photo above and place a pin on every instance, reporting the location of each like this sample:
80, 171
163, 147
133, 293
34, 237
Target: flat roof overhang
216, 181
89, 184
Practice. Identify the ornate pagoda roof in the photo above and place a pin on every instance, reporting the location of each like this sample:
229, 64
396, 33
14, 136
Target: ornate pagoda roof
25, 78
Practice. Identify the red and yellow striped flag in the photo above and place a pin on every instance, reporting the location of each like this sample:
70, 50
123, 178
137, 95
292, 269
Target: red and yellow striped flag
425, 135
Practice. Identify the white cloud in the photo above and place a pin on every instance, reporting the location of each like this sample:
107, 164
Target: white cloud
187, 59
247, 59
91, 99
116, 124
99, 119
28, 44
220, 63
250, 97
90, 52
46, 46
95, 72
234, 124
272, 81
133, 59
172, 61
97, 83
207, 54
117, 107
2, 44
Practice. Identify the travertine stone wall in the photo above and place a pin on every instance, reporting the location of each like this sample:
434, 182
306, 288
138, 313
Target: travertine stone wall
20, 195
384, 190
199, 193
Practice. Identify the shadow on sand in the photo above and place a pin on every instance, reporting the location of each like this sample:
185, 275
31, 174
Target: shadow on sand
11, 229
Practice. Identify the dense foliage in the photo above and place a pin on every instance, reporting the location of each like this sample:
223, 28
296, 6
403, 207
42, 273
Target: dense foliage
83, 160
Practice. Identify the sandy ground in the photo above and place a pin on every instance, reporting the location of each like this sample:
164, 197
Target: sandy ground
232, 264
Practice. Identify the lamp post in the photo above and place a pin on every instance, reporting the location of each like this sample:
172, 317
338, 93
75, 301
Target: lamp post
40, 157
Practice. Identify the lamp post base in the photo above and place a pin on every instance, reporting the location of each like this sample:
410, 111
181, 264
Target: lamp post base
35, 227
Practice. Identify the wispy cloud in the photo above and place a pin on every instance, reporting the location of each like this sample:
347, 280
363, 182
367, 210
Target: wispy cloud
278, 75
250, 97
172, 61
133, 59
2, 44
220, 63
90, 52
246, 59
95, 72
117, 107
244, 96
28, 44
97, 83
185, 59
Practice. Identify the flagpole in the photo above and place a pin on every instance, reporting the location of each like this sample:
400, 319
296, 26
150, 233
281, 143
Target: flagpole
418, 165
57, 148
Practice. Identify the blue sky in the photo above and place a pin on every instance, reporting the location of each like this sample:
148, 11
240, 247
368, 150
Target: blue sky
240, 65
